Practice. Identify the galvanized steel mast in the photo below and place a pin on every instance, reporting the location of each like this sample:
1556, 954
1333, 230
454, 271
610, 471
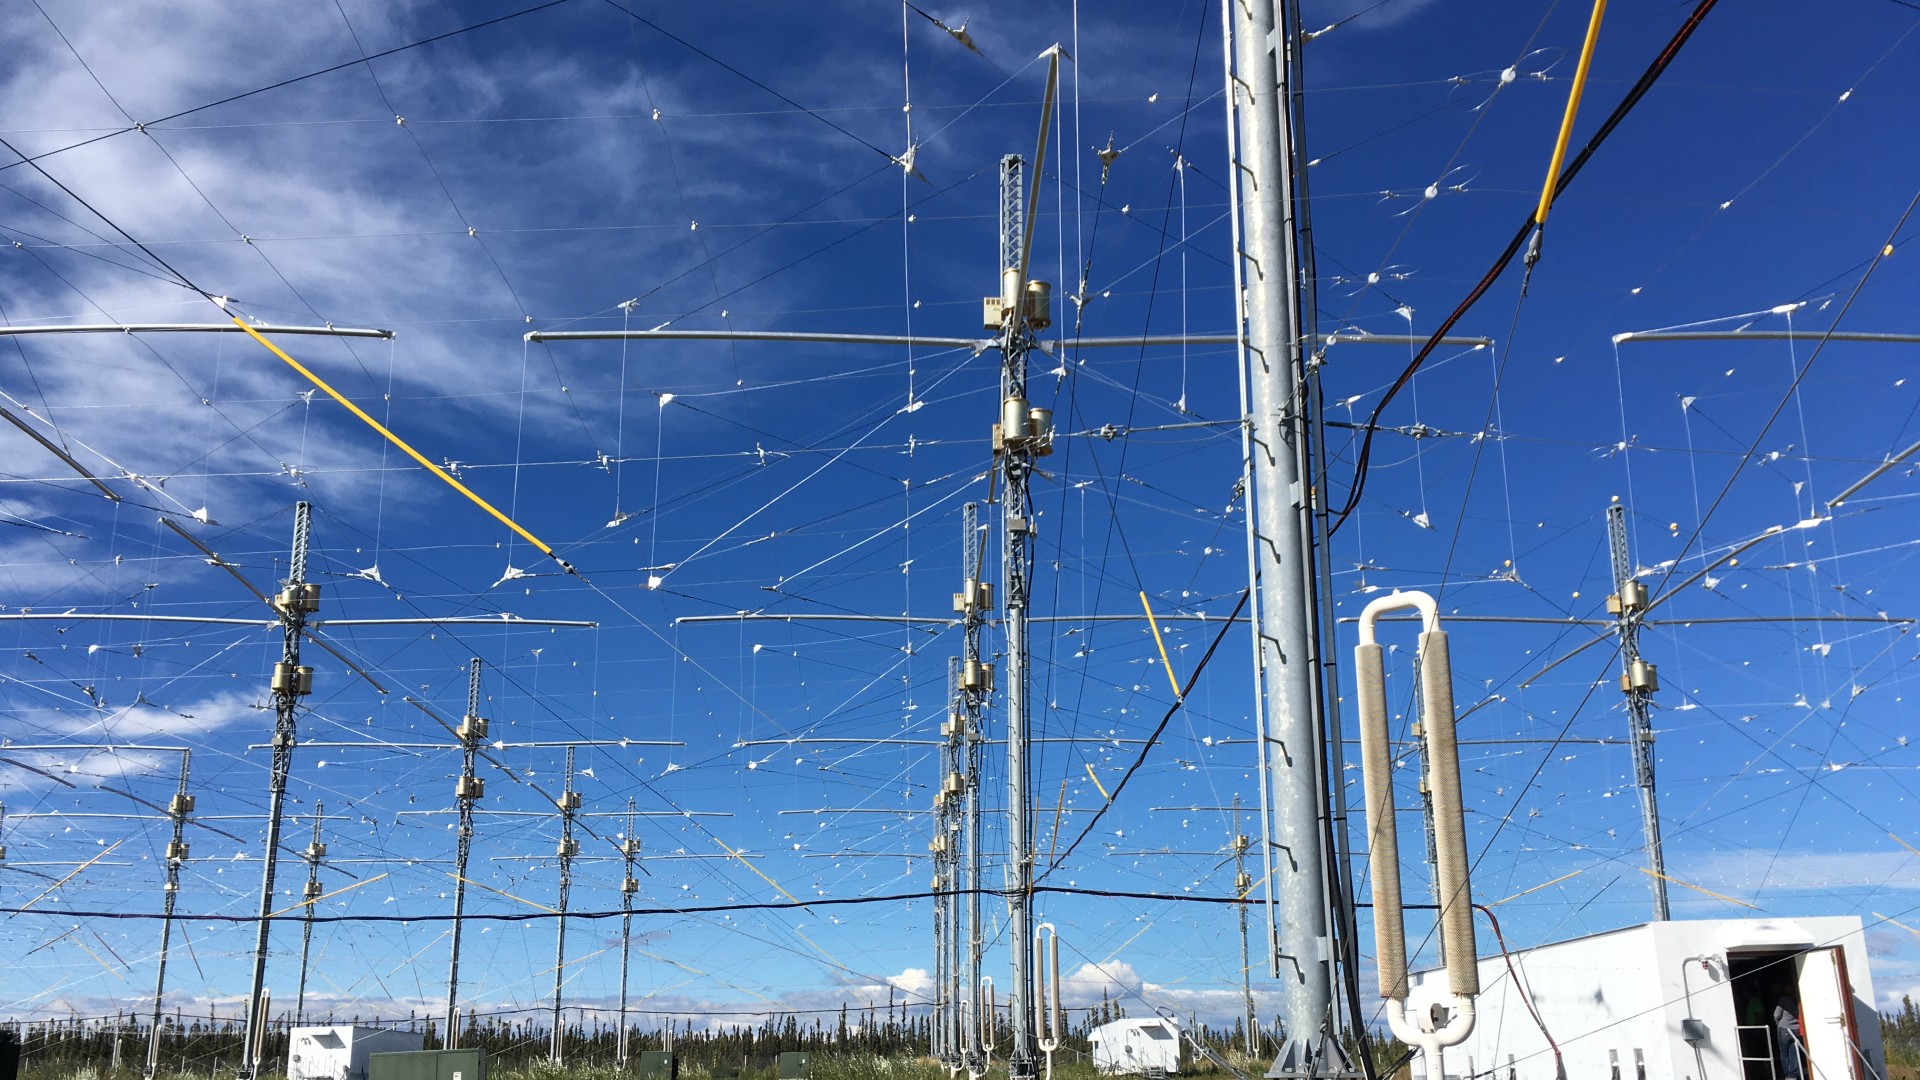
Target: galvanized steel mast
1276, 376
177, 809
567, 803
1638, 681
467, 790
314, 853
291, 682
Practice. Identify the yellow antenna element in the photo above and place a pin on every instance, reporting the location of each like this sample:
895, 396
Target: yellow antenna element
331, 895
1896, 922
1903, 843
1573, 108
408, 450
110, 968
1537, 888
76, 873
1096, 782
502, 892
748, 863
1698, 889
1164, 662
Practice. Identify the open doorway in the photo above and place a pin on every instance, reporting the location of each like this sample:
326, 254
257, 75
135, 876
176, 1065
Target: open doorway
1761, 981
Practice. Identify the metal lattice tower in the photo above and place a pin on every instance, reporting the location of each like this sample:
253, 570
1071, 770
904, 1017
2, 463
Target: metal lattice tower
1012, 212
1016, 568
941, 849
973, 708
629, 885
568, 803
467, 790
291, 682
314, 853
177, 809
1638, 680
1242, 885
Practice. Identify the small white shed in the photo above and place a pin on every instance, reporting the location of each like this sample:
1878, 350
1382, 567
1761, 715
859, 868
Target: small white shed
1146, 1046
340, 1051
1682, 1000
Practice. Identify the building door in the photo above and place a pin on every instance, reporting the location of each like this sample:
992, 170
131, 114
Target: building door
1827, 1022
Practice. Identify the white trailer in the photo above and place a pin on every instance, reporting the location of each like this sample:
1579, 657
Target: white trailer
1680, 1000
1147, 1046
340, 1051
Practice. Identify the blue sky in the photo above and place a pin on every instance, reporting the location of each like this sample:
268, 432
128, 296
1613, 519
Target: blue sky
714, 169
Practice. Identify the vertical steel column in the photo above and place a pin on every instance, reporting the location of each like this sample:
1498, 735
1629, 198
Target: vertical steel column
177, 809
1276, 361
943, 849
629, 850
568, 802
1638, 680
1016, 567
467, 790
314, 853
1242, 885
972, 732
291, 682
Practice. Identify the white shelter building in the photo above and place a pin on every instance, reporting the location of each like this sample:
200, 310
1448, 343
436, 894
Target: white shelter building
1679, 1000
340, 1051
1146, 1046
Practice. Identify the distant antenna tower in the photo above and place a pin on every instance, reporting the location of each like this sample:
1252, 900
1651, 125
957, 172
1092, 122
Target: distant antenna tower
568, 803
177, 809
629, 885
291, 682
315, 852
1638, 681
466, 791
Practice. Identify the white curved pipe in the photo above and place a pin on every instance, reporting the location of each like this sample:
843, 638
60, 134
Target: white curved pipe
1398, 601
1458, 1026
1463, 974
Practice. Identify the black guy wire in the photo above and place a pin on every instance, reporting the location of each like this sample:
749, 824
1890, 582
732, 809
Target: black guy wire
1640, 87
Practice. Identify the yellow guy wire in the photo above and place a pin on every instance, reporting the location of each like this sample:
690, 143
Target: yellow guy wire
748, 863
1698, 889
76, 873
1573, 107
331, 895
402, 444
1537, 888
1896, 922
1164, 662
502, 892
1096, 782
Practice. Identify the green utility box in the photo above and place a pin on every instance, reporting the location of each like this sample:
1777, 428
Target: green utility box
428, 1065
793, 1066
659, 1065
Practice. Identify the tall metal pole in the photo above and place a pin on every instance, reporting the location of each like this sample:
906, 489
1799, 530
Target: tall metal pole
568, 803
314, 853
467, 790
1242, 885
1013, 439
1275, 359
629, 850
972, 731
178, 808
1638, 680
291, 682
946, 796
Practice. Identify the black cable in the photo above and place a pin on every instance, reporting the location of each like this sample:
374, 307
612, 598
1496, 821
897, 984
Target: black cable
707, 909
677, 39
1155, 737
284, 83
1640, 87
